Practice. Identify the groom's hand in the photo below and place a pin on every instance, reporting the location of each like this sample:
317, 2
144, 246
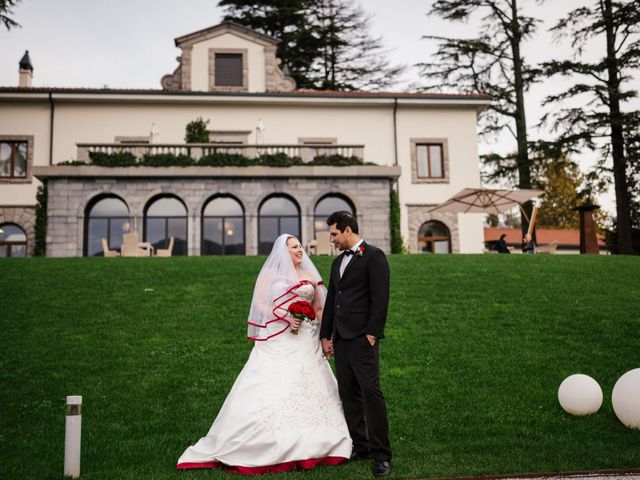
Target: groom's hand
327, 348
372, 340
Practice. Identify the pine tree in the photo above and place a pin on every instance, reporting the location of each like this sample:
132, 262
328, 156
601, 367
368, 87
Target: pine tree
350, 59
597, 121
325, 44
492, 63
5, 11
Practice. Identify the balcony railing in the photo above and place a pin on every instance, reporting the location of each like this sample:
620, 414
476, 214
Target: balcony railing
197, 150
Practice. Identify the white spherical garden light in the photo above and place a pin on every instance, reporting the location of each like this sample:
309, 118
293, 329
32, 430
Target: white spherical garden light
580, 395
626, 398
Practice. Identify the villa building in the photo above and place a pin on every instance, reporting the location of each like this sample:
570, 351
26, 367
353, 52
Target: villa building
423, 146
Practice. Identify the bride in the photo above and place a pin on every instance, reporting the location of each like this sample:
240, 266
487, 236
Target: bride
283, 412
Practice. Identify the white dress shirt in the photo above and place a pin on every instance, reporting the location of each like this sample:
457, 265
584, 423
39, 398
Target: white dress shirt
347, 258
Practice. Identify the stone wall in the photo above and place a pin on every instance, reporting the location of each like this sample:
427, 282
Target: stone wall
419, 214
25, 218
68, 198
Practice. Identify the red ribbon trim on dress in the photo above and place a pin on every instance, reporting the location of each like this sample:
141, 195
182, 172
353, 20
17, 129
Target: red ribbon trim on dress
277, 468
280, 318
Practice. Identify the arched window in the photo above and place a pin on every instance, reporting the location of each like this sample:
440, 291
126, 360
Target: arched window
434, 237
106, 216
328, 204
223, 227
165, 216
278, 214
13, 241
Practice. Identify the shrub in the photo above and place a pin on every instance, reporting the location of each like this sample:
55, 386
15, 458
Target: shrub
336, 160
166, 160
40, 247
397, 242
116, 159
73, 162
226, 160
196, 131
279, 160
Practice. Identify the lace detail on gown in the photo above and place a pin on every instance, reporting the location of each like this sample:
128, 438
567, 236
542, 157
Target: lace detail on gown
305, 407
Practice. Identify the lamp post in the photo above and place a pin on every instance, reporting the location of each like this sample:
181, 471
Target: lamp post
72, 436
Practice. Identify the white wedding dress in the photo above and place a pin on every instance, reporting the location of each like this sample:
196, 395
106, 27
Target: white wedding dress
282, 413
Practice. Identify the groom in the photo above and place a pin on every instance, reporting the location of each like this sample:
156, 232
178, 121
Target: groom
352, 323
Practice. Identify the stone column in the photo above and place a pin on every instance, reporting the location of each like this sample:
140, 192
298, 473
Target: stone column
588, 237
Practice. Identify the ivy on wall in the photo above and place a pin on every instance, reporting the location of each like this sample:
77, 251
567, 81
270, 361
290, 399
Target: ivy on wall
39, 249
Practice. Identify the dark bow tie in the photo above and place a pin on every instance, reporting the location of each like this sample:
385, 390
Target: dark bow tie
348, 252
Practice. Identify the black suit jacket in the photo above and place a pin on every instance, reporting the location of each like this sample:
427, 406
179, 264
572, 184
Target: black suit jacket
357, 303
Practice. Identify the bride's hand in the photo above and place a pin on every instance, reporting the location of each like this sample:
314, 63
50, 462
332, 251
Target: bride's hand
294, 322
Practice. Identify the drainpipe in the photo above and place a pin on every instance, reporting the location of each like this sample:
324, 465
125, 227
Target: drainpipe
395, 140
51, 120
395, 129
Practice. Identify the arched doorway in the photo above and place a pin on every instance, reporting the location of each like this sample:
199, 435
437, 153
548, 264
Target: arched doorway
106, 216
223, 226
13, 241
278, 214
434, 237
165, 216
328, 204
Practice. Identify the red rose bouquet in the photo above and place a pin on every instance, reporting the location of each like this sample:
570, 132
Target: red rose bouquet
303, 310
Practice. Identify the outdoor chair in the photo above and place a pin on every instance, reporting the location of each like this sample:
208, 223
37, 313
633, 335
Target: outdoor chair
130, 247
106, 251
550, 248
321, 245
165, 252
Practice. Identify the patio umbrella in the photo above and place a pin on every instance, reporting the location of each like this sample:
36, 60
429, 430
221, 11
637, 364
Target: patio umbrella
486, 200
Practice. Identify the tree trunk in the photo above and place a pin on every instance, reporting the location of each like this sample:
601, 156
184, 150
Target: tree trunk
522, 157
623, 211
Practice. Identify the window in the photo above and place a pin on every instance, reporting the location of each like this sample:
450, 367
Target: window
223, 227
228, 69
165, 217
13, 241
277, 215
434, 237
13, 159
105, 217
326, 206
429, 160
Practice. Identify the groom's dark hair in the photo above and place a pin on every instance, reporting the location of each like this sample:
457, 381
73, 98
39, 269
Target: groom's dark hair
343, 220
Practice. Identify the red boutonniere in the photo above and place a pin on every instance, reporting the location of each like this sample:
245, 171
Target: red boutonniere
360, 251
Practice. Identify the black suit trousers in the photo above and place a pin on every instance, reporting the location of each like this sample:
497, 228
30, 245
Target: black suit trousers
357, 369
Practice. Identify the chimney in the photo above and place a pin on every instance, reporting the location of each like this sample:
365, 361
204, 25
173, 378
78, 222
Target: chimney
26, 71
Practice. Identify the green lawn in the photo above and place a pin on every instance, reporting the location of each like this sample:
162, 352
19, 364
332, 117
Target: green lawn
475, 351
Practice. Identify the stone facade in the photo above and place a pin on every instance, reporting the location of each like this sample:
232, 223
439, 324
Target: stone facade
419, 214
25, 218
69, 197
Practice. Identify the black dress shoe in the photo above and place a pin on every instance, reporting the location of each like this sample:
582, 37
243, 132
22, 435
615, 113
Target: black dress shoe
382, 468
360, 456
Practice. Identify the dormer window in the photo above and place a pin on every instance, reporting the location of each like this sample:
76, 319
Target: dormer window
228, 69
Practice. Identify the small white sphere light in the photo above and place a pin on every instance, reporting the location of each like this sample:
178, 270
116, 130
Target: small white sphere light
580, 395
626, 398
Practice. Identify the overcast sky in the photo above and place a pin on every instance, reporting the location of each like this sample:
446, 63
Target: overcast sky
130, 43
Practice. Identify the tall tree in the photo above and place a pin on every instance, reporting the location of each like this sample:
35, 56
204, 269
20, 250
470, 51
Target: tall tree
287, 21
491, 63
561, 181
597, 121
350, 57
5, 11
325, 44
